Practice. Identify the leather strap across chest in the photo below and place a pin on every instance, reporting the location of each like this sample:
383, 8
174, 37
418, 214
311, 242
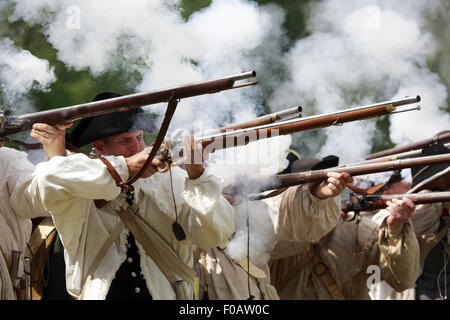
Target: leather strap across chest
321, 270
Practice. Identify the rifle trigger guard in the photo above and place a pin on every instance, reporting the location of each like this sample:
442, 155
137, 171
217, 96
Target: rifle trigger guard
356, 213
169, 163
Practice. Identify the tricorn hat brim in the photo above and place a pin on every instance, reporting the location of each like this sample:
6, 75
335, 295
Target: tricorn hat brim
99, 127
424, 175
306, 164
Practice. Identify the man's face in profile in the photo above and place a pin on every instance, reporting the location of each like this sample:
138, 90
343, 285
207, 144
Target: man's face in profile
124, 144
400, 187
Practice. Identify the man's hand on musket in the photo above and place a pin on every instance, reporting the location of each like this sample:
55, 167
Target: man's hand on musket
52, 138
137, 161
400, 210
331, 187
194, 157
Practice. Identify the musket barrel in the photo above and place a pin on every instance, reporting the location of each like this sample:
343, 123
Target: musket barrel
443, 137
266, 183
288, 112
320, 175
406, 100
397, 156
245, 135
265, 119
123, 103
242, 76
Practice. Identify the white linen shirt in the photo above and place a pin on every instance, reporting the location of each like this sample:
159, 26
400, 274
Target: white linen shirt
67, 186
15, 223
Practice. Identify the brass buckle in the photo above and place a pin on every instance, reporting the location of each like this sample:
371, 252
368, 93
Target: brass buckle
315, 269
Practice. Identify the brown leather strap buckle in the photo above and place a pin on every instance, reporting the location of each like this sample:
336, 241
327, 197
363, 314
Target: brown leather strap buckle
316, 271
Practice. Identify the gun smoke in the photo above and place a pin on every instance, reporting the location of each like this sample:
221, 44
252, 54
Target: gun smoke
361, 52
21, 72
356, 53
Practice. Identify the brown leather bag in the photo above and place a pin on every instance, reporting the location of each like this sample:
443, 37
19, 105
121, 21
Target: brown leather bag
40, 241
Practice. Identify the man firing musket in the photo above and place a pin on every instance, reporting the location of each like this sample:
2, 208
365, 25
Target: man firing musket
429, 191
338, 264
122, 111
253, 185
11, 125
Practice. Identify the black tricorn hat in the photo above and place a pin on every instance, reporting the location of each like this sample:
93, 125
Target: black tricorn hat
424, 175
291, 157
306, 164
94, 128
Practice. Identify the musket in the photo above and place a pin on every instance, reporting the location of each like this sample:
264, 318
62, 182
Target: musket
64, 115
441, 137
397, 156
240, 137
249, 185
278, 116
376, 202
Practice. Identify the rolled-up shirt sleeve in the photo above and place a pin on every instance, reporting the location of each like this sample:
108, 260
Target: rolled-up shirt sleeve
78, 176
65, 187
208, 215
399, 255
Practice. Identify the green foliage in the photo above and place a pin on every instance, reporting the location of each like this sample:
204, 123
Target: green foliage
297, 12
188, 7
438, 23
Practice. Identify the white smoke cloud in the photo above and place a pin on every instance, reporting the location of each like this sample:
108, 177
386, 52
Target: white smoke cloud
430, 120
21, 72
263, 157
262, 233
152, 38
363, 52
